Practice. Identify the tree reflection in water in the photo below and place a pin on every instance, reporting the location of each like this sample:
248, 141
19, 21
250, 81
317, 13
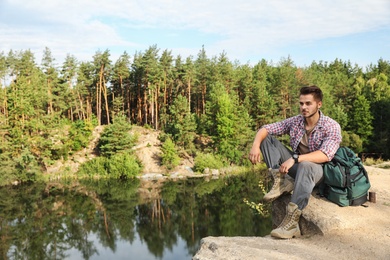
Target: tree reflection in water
92, 219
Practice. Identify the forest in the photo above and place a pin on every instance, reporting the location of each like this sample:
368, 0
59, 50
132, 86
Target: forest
203, 105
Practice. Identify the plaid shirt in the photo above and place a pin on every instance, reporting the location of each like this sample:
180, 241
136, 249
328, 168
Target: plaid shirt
326, 135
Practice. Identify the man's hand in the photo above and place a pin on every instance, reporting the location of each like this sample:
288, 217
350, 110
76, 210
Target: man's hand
254, 155
286, 165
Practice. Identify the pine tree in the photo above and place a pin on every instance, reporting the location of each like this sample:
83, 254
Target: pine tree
361, 120
75, 109
102, 66
182, 124
169, 156
120, 81
116, 138
202, 67
228, 124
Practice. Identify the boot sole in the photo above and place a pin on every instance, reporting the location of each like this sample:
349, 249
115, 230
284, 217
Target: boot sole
272, 199
287, 191
295, 235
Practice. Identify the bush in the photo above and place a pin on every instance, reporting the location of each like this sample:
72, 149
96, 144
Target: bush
79, 135
118, 166
372, 161
124, 165
170, 158
208, 160
95, 167
352, 140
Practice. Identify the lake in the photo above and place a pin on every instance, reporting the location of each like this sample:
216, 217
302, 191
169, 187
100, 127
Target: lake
129, 219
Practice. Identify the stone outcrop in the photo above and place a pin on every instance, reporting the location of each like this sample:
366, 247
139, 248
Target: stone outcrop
310, 222
328, 231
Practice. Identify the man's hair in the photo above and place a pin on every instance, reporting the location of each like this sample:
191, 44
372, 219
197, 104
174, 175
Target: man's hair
313, 90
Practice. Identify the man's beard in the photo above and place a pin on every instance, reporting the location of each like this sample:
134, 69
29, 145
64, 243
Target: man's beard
311, 115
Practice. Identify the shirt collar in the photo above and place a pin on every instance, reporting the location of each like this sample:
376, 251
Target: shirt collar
319, 123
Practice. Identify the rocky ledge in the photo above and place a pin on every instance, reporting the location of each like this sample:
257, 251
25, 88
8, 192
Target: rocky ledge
328, 231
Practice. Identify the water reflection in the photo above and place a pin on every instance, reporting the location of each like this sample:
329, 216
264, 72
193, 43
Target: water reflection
125, 219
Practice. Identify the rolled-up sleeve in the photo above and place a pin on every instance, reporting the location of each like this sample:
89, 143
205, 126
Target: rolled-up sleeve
332, 139
326, 136
280, 128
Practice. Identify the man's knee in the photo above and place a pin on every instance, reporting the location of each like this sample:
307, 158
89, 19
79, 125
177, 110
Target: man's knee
309, 166
310, 170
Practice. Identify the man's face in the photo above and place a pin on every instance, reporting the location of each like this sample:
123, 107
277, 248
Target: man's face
308, 105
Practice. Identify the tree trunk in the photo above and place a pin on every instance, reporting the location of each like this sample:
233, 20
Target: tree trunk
157, 107
106, 102
189, 95
98, 102
203, 99
49, 93
145, 105
151, 94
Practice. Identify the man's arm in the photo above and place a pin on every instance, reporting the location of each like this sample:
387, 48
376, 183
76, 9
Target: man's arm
254, 154
315, 157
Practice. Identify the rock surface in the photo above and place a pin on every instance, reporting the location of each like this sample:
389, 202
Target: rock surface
332, 232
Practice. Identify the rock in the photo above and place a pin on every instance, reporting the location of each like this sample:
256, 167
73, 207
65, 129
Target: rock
329, 232
308, 224
312, 222
189, 169
215, 172
176, 175
152, 176
249, 248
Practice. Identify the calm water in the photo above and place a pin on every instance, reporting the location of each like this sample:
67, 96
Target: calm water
125, 219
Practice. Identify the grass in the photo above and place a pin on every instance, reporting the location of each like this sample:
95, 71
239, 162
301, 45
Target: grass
380, 163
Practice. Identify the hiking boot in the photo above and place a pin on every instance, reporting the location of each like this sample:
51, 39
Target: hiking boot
289, 227
282, 183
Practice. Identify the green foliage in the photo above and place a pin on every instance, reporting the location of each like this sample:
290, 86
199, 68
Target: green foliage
361, 121
229, 124
117, 159
9, 171
338, 114
118, 166
123, 165
95, 167
49, 111
27, 167
372, 161
169, 155
208, 160
380, 141
116, 137
352, 141
182, 124
79, 135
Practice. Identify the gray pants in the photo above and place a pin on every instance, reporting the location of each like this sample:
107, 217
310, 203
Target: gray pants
306, 174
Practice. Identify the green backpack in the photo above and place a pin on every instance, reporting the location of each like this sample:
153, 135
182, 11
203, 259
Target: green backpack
345, 181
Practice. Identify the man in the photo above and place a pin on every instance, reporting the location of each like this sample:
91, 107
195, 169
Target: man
314, 139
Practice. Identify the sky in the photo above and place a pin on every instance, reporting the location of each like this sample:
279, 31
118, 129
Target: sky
246, 31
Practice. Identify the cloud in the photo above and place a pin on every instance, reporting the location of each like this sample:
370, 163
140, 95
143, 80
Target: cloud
239, 27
